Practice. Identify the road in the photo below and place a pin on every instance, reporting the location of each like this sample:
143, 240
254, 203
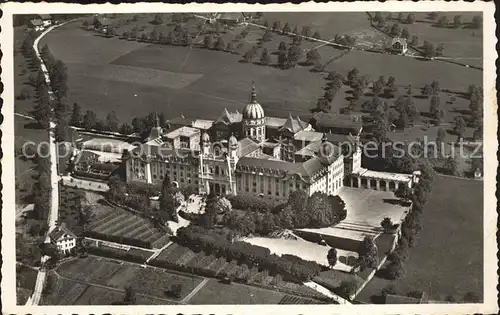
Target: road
54, 177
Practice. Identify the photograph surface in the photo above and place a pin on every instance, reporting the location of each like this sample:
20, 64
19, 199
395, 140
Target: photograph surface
250, 156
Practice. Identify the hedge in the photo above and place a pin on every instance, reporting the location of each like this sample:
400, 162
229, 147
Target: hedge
118, 239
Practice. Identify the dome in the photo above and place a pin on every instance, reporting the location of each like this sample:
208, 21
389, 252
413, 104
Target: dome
205, 137
233, 142
253, 110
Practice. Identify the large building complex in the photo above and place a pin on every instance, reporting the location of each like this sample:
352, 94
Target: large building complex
251, 153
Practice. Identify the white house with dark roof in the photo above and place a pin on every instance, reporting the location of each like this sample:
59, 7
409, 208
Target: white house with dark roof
63, 239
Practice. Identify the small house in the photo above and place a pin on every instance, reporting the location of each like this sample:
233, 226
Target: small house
63, 239
37, 25
101, 24
46, 19
399, 45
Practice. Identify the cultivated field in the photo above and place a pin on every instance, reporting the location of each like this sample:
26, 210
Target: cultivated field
108, 276
25, 280
448, 259
114, 221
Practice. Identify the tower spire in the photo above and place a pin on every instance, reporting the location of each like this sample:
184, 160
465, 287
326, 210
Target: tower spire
253, 96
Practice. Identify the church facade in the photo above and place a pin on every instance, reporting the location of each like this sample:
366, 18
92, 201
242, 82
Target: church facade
248, 153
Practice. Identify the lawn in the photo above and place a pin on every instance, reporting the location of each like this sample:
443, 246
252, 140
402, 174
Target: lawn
215, 292
448, 259
25, 132
22, 72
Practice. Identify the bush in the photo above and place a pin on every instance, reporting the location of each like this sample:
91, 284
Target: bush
251, 202
346, 289
110, 253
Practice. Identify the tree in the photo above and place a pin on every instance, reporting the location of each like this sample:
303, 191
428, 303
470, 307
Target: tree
459, 126
276, 26
282, 47
61, 131
316, 35
400, 16
378, 17
129, 297
451, 165
353, 75
405, 33
403, 192
427, 90
282, 60
219, 44
112, 121
428, 49
313, 57
293, 56
157, 19
286, 29
440, 49
89, 120
395, 270
367, 254
477, 22
410, 19
208, 41
250, 54
443, 21
126, 129
306, 31
441, 135
395, 30
230, 47
265, 58
436, 87
414, 41
435, 106
433, 16
154, 36
332, 257
267, 36
377, 87
457, 21
387, 224
43, 113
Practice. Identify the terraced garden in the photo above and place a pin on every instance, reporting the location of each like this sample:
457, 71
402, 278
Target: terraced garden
116, 222
182, 258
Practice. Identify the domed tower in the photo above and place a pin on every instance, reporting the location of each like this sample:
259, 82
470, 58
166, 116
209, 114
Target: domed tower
254, 120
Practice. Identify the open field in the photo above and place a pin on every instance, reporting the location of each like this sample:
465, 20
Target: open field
22, 72
234, 294
112, 274
118, 222
206, 81
25, 280
25, 131
448, 258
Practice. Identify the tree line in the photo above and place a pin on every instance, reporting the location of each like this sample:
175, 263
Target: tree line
292, 268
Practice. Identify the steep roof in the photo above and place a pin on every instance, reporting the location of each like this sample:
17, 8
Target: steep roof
246, 146
309, 136
229, 118
293, 125
59, 231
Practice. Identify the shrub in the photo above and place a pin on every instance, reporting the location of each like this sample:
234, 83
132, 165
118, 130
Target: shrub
346, 289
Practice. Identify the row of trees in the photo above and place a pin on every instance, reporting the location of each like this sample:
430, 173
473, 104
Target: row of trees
292, 268
300, 211
440, 21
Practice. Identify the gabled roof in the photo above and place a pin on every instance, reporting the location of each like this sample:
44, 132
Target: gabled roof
228, 118
182, 132
59, 231
36, 22
247, 146
293, 125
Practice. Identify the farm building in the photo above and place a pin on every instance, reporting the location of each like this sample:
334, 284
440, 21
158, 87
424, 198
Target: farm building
337, 124
36, 24
102, 23
46, 19
63, 239
399, 45
231, 18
